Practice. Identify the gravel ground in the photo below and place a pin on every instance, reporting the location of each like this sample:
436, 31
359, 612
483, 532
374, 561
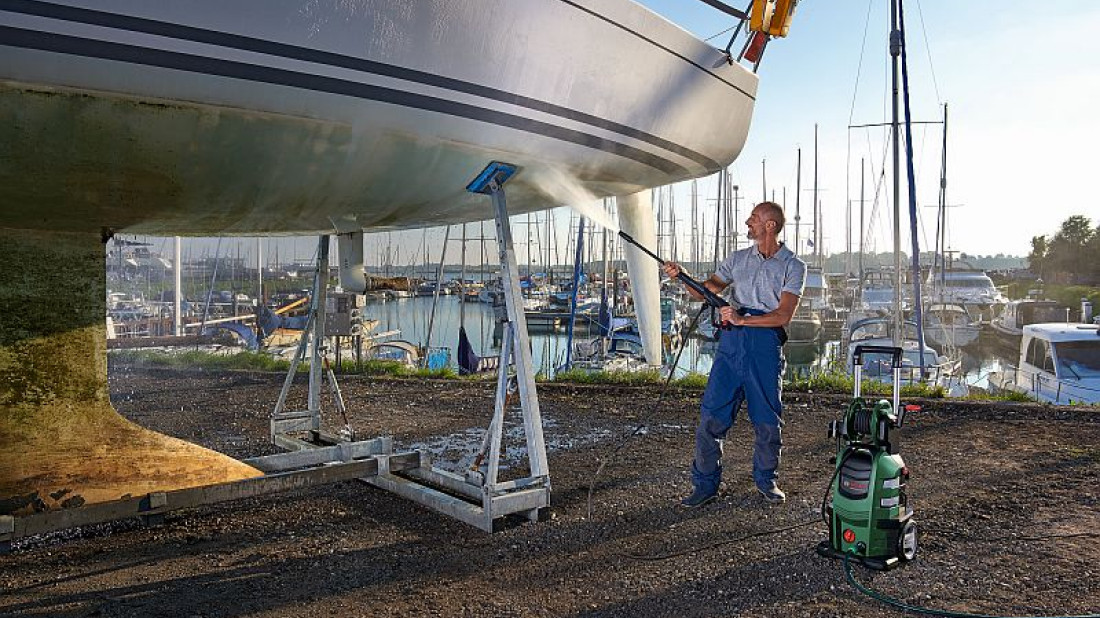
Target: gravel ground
1005, 495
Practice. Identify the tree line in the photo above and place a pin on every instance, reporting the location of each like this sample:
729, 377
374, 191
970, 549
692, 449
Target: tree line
1071, 255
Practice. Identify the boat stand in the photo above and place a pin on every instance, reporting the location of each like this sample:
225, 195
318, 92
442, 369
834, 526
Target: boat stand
284, 423
478, 497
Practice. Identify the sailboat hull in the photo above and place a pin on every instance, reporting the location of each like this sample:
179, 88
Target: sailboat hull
271, 117
256, 117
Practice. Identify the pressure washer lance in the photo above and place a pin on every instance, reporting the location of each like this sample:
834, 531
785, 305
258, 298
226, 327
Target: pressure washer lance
709, 297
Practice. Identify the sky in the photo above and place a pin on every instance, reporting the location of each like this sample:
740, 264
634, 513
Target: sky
1022, 84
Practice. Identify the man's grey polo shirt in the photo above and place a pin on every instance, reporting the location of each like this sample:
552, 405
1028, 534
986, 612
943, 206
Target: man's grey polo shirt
757, 282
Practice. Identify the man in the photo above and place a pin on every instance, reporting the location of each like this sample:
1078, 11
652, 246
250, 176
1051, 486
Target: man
767, 281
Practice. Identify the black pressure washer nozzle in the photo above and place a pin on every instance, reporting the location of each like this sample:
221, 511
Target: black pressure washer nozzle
709, 297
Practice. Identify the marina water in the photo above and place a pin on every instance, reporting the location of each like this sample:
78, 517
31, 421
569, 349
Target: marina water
410, 316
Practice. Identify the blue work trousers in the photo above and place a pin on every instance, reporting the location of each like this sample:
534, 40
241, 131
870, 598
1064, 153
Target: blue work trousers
748, 366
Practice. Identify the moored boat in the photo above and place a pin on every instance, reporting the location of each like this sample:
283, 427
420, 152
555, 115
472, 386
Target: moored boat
1058, 363
950, 325
1008, 325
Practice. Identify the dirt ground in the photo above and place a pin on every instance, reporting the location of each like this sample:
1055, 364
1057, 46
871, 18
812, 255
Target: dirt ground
1005, 496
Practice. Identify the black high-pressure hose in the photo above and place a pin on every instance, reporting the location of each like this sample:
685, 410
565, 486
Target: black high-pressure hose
710, 299
645, 421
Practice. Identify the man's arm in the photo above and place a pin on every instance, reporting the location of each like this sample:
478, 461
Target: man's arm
780, 317
713, 283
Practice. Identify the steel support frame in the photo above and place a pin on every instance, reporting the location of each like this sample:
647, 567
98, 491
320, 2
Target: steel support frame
479, 498
282, 472
313, 339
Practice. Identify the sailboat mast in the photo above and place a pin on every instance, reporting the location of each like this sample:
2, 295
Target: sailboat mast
798, 203
941, 238
764, 177
549, 264
736, 216
911, 176
462, 285
177, 282
695, 224
259, 270
817, 239
731, 221
718, 218
895, 53
862, 185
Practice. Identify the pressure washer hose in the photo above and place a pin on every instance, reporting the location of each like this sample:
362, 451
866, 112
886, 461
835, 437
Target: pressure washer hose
645, 421
899, 604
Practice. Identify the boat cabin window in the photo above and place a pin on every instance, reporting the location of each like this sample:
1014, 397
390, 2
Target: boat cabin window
626, 347
1038, 354
970, 283
1078, 359
1039, 314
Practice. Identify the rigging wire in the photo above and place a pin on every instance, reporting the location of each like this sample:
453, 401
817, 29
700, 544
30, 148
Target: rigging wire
928, 50
715, 36
851, 116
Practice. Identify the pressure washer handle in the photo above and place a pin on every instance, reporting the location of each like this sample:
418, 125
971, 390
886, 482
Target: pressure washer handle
709, 297
894, 352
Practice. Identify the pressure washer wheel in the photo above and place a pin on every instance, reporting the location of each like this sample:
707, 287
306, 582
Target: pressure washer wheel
907, 542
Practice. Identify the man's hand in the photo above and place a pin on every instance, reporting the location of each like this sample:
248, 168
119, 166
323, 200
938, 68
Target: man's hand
727, 315
672, 270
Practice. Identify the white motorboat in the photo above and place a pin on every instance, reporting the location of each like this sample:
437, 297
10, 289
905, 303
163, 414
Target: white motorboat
876, 296
971, 288
816, 290
1059, 363
805, 326
1009, 325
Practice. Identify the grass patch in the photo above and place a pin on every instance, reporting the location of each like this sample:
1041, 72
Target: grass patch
629, 378
1001, 396
838, 383
243, 360
696, 381
831, 382
258, 361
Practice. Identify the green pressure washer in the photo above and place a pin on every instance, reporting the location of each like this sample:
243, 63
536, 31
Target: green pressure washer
867, 508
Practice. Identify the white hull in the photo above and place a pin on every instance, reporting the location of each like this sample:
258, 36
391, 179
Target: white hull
283, 116
949, 335
1043, 386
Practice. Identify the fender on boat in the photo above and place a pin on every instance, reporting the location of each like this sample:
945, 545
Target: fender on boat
637, 219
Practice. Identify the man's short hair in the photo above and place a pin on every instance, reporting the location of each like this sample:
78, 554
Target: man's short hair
774, 213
